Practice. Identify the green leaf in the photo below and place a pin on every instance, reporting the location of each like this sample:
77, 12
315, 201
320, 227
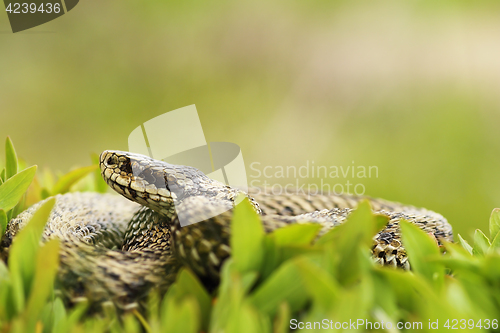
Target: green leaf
2, 176
464, 244
47, 263
494, 224
131, 324
481, 243
248, 280
3, 222
5, 293
321, 286
495, 244
348, 239
361, 225
10, 158
354, 305
229, 299
296, 234
479, 292
284, 285
111, 317
282, 321
384, 296
406, 287
13, 189
44, 193
181, 317
458, 258
248, 320
276, 255
246, 238
188, 285
19, 208
4, 272
421, 248
153, 305
232, 312
23, 253
286, 243
69, 321
64, 183
491, 267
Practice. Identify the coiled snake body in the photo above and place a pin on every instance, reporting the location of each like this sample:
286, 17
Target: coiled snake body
117, 249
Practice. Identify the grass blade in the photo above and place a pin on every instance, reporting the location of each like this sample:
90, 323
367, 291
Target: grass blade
3, 222
65, 182
181, 317
481, 243
47, 262
421, 248
494, 223
464, 244
284, 285
10, 159
13, 189
188, 285
347, 239
246, 238
23, 253
296, 234
320, 285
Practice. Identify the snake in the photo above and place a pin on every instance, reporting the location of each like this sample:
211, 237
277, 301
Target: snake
119, 247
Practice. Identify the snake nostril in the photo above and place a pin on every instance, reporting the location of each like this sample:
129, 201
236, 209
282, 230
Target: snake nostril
112, 160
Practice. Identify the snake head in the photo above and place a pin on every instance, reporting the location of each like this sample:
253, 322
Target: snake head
153, 183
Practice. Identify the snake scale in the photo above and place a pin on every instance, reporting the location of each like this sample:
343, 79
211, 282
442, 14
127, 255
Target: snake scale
117, 249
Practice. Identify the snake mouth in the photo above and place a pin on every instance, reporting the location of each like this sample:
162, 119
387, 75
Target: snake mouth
156, 184
138, 178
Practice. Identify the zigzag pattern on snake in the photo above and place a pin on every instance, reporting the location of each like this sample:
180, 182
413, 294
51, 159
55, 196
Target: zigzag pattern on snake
118, 249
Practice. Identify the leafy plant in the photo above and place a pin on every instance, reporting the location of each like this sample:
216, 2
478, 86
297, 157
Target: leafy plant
287, 279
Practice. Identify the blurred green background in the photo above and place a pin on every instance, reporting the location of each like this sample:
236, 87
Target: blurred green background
412, 88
